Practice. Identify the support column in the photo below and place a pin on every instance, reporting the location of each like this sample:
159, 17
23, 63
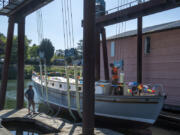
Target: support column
139, 50
6, 62
20, 76
98, 52
88, 67
105, 55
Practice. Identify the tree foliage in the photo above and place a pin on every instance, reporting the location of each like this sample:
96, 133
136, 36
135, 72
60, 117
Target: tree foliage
60, 53
2, 44
33, 51
14, 51
48, 49
80, 48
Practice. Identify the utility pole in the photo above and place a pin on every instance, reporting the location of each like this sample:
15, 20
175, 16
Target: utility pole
88, 67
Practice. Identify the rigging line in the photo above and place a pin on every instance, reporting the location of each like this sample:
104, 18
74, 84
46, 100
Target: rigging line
72, 23
42, 30
38, 25
69, 25
66, 25
65, 44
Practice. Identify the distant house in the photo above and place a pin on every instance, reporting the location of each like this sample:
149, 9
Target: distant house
77, 62
59, 52
60, 62
161, 57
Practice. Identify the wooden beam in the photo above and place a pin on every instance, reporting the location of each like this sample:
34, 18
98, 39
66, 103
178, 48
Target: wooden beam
143, 9
98, 52
105, 55
27, 7
20, 79
6, 62
139, 50
88, 67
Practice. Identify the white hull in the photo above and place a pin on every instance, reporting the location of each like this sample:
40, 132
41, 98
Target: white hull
141, 109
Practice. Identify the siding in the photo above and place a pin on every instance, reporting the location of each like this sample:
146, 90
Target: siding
161, 66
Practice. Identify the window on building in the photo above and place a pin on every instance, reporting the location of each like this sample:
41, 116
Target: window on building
79, 88
112, 49
60, 85
147, 46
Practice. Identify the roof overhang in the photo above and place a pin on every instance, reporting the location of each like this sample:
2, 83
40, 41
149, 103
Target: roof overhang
22, 7
143, 9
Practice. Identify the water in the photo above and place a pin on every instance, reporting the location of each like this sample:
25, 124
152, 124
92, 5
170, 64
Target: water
11, 103
11, 93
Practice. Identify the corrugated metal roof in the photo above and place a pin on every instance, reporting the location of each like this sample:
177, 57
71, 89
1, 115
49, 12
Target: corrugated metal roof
161, 27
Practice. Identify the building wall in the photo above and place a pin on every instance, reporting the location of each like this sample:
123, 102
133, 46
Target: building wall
161, 66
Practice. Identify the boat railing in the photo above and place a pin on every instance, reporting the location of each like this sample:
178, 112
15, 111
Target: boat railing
157, 88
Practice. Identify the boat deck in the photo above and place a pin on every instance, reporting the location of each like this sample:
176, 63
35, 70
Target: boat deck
57, 125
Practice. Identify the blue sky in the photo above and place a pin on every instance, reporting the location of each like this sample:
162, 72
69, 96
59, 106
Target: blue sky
52, 22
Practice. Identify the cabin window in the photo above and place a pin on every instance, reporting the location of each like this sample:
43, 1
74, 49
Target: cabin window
112, 49
52, 84
147, 46
79, 88
60, 85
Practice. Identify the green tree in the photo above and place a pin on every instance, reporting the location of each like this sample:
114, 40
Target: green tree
80, 47
48, 49
33, 51
60, 53
2, 44
14, 51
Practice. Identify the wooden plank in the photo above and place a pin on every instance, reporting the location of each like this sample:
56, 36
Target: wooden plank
89, 67
139, 50
58, 125
27, 7
20, 80
144, 9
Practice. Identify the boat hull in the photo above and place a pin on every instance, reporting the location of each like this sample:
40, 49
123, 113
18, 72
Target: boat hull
131, 111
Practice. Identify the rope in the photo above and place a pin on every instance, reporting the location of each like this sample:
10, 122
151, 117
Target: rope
40, 32
66, 24
72, 29
65, 44
68, 43
39, 20
69, 25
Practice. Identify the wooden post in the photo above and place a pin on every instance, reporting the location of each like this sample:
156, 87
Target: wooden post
88, 67
98, 52
20, 79
139, 51
6, 62
105, 55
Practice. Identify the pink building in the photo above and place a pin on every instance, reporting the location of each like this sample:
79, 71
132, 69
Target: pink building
161, 58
